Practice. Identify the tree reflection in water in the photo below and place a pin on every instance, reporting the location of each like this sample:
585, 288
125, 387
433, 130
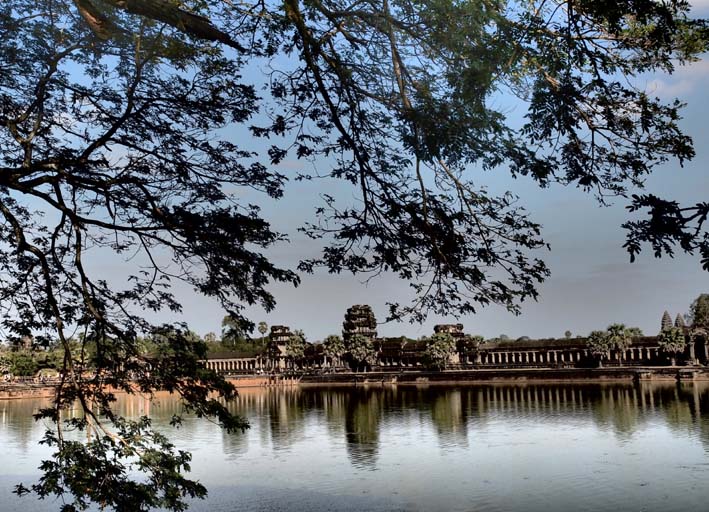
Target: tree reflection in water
436, 447
356, 414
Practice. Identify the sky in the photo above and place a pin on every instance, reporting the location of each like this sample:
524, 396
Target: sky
592, 283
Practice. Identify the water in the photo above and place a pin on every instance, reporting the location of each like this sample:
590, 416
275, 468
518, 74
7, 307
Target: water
474, 448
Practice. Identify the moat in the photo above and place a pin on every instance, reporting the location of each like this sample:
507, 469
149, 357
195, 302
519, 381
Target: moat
535, 447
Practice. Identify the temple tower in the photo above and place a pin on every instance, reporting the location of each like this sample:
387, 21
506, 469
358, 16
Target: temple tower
359, 319
455, 330
666, 321
280, 334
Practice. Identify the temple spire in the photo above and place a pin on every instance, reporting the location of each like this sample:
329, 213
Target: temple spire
666, 321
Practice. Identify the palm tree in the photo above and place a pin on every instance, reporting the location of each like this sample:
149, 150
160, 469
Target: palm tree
616, 337
598, 344
620, 337
361, 351
262, 328
295, 348
334, 349
232, 332
672, 341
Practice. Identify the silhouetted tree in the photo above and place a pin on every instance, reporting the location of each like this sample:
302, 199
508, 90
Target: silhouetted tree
232, 332
112, 134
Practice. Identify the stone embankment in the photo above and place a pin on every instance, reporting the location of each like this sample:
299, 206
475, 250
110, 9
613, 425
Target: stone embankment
10, 391
13, 391
522, 375
19, 390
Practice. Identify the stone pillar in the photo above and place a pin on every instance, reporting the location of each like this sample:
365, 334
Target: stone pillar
692, 354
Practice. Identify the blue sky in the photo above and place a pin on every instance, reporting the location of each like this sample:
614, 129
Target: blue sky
592, 282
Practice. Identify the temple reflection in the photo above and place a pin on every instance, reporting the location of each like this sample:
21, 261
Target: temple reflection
358, 416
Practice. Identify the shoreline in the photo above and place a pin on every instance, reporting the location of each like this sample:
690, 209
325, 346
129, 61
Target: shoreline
514, 376
12, 391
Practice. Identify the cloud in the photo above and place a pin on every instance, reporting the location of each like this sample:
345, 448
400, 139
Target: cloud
685, 81
699, 5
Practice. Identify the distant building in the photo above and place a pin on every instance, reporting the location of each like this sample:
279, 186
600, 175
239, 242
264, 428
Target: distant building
359, 319
455, 330
471, 352
280, 334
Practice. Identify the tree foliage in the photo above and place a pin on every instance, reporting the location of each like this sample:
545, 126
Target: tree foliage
598, 343
406, 95
334, 347
439, 349
672, 340
112, 141
615, 337
360, 350
23, 364
105, 147
76, 466
699, 311
295, 347
620, 337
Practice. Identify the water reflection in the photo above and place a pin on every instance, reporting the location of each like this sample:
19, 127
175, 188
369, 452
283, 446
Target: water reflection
449, 448
357, 414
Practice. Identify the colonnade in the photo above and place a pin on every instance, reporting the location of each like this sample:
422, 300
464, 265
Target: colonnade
496, 357
567, 356
249, 365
